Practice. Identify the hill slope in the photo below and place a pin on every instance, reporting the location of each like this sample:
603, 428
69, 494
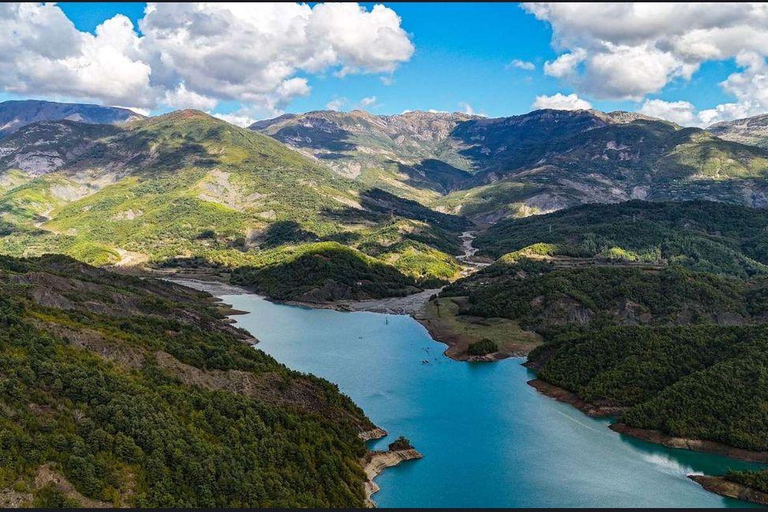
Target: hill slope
532, 163
187, 185
700, 235
120, 391
750, 130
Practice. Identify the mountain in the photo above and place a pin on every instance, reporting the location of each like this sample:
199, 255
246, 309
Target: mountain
488, 169
412, 154
135, 392
15, 114
751, 130
187, 187
639, 159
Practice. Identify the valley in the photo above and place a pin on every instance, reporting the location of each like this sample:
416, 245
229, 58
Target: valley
625, 256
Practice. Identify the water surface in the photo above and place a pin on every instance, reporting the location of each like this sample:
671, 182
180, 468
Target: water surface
488, 439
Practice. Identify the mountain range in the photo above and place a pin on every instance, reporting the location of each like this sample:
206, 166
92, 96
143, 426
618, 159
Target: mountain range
488, 169
109, 186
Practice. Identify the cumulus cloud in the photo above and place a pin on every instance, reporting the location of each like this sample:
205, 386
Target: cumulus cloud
42, 53
749, 86
680, 112
521, 64
565, 65
627, 51
560, 101
195, 55
241, 119
336, 104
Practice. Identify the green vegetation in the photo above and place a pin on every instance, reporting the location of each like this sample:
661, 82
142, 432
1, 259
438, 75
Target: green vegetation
401, 443
482, 347
543, 297
755, 479
320, 272
137, 394
187, 188
677, 351
702, 236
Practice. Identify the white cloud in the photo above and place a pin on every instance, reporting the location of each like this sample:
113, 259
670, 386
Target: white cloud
521, 64
193, 55
368, 102
560, 101
630, 50
336, 104
239, 119
43, 54
749, 86
183, 98
680, 112
565, 65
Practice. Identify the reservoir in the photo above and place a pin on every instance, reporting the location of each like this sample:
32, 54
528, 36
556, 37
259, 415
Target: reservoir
488, 439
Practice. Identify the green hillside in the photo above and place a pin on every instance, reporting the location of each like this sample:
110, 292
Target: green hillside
189, 186
322, 272
120, 391
702, 236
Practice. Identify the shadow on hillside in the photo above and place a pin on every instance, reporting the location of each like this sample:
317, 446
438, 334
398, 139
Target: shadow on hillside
333, 139
286, 232
378, 205
434, 174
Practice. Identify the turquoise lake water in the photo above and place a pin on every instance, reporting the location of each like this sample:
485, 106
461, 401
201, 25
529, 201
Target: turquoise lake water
488, 439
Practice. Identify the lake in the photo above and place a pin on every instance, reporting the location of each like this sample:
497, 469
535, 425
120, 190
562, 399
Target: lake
488, 439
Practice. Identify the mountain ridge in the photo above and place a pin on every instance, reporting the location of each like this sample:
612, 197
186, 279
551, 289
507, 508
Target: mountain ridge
14, 114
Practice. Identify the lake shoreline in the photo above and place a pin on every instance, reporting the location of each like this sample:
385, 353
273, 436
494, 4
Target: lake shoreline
728, 489
376, 462
651, 436
696, 445
570, 398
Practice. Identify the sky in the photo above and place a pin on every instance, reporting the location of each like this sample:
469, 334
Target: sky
694, 64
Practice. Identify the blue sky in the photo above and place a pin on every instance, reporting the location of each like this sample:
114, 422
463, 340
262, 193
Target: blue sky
460, 61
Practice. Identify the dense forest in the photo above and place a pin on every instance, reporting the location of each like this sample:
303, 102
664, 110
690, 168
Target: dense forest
136, 393
700, 235
542, 296
321, 272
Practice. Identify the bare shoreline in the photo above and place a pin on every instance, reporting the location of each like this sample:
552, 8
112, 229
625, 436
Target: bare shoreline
377, 461
724, 487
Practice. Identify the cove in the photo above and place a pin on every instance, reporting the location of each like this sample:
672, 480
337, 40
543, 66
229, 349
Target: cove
488, 439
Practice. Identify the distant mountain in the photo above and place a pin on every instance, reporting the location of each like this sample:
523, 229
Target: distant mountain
186, 188
542, 161
16, 114
751, 130
411, 154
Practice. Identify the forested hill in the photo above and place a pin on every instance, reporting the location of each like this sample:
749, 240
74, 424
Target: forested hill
120, 391
701, 235
655, 313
